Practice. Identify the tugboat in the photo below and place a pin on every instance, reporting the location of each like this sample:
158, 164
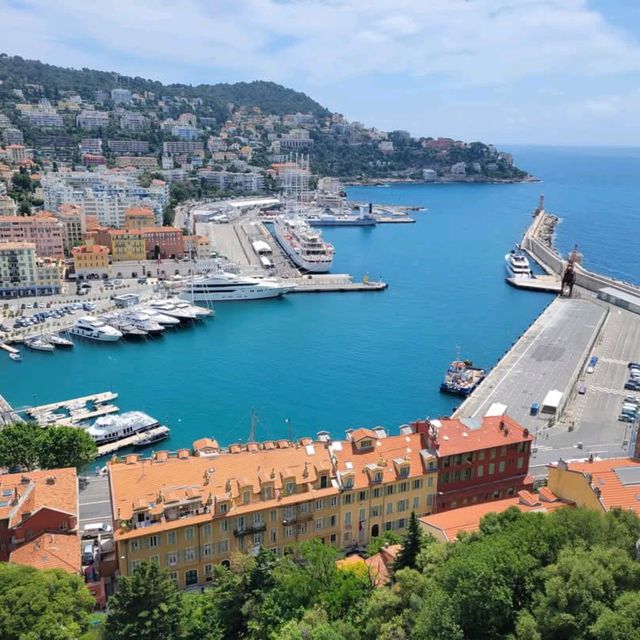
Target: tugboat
462, 378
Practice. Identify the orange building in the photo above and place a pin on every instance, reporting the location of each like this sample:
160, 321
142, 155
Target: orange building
90, 258
139, 218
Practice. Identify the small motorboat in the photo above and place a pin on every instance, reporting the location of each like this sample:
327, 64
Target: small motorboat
15, 356
38, 344
58, 341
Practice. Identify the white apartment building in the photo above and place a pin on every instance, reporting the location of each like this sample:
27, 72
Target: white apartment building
48, 119
121, 96
22, 274
184, 132
133, 122
88, 119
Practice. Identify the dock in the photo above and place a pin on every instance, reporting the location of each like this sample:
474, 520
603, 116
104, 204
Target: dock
327, 283
544, 283
112, 447
8, 348
394, 219
74, 410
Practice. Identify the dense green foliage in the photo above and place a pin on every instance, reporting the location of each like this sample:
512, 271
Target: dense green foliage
42, 605
16, 72
28, 445
408, 554
569, 575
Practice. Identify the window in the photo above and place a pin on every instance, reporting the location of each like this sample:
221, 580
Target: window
208, 569
348, 498
496, 494
501, 466
334, 501
174, 576
288, 532
246, 497
377, 476
332, 521
417, 484
520, 463
347, 519
346, 537
135, 564
318, 524
152, 542
377, 492
430, 481
189, 554
387, 526
207, 549
348, 482
224, 507
257, 519
404, 471
402, 523
188, 533
290, 488
492, 453
390, 489
273, 535
375, 511
191, 577
404, 486
429, 499
416, 503
302, 528
267, 493
206, 530
304, 507
135, 545
362, 496
389, 508
402, 505
257, 539
224, 526
492, 468
223, 546
503, 450
446, 462
288, 512
319, 505
480, 471
334, 538
172, 558
324, 481
273, 515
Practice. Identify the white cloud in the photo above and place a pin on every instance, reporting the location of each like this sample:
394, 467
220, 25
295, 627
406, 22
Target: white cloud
467, 43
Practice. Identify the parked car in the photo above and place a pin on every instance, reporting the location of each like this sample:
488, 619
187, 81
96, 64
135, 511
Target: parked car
582, 388
632, 385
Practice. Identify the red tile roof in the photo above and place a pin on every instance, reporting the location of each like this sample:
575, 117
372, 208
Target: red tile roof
381, 564
50, 551
445, 526
470, 434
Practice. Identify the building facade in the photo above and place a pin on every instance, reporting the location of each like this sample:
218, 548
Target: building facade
91, 259
479, 459
163, 242
127, 244
42, 229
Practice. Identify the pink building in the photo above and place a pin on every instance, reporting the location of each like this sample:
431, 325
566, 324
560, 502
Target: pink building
43, 230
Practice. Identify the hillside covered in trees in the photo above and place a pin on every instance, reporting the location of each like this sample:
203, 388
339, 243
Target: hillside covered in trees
568, 575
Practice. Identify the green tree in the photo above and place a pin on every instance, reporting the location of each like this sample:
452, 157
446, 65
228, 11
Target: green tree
20, 445
411, 546
42, 605
147, 605
387, 538
66, 447
622, 622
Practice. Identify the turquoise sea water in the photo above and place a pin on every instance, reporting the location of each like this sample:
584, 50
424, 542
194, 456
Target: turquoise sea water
334, 361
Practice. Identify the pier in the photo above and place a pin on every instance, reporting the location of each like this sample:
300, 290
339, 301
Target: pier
545, 283
75, 410
327, 283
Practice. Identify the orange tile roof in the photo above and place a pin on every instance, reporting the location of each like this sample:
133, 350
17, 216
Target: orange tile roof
205, 442
361, 433
50, 551
125, 232
454, 436
139, 211
161, 230
33, 490
380, 564
613, 492
382, 455
90, 248
148, 481
449, 523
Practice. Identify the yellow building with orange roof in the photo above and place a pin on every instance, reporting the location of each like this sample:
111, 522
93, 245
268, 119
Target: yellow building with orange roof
139, 218
382, 480
600, 485
90, 258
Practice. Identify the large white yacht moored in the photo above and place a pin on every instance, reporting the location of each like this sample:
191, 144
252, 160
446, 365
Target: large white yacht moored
116, 427
94, 329
169, 308
517, 264
303, 244
144, 321
222, 286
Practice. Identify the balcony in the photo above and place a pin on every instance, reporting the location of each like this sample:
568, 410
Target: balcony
253, 528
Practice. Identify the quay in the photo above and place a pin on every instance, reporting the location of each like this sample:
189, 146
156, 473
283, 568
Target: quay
545, 283
76, 409
8, 348
326, 283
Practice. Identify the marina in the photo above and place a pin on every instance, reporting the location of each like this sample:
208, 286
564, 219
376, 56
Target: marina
73, 411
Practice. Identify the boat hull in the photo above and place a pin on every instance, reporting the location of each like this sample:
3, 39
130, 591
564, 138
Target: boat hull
244, 294
355, 222
92, 336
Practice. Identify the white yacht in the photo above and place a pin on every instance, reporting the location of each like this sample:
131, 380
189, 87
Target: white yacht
169, 308
303, 244
162, 318
39, 344
517, 264
222, 287
144, 321
116, 427
94, 329
58, 341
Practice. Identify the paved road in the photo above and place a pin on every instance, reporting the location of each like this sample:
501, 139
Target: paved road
95, 501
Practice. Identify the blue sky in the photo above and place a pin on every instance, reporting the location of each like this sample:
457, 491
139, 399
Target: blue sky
502, 71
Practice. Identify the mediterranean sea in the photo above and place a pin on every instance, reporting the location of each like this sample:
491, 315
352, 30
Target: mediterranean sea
315, 362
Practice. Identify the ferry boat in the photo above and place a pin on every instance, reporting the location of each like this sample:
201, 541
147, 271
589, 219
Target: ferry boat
116, 427
227, 287
462, 378
151, 437
517, 264
94, 329
363, 219
303, 244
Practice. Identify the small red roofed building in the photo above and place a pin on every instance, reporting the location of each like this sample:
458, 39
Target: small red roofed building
446, 526
206, 447
600, 485
34, 503
50, 551
479, 459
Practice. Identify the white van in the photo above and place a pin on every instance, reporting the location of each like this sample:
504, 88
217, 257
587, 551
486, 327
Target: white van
96, 528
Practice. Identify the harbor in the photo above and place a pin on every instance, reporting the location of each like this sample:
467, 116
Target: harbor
72, 412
